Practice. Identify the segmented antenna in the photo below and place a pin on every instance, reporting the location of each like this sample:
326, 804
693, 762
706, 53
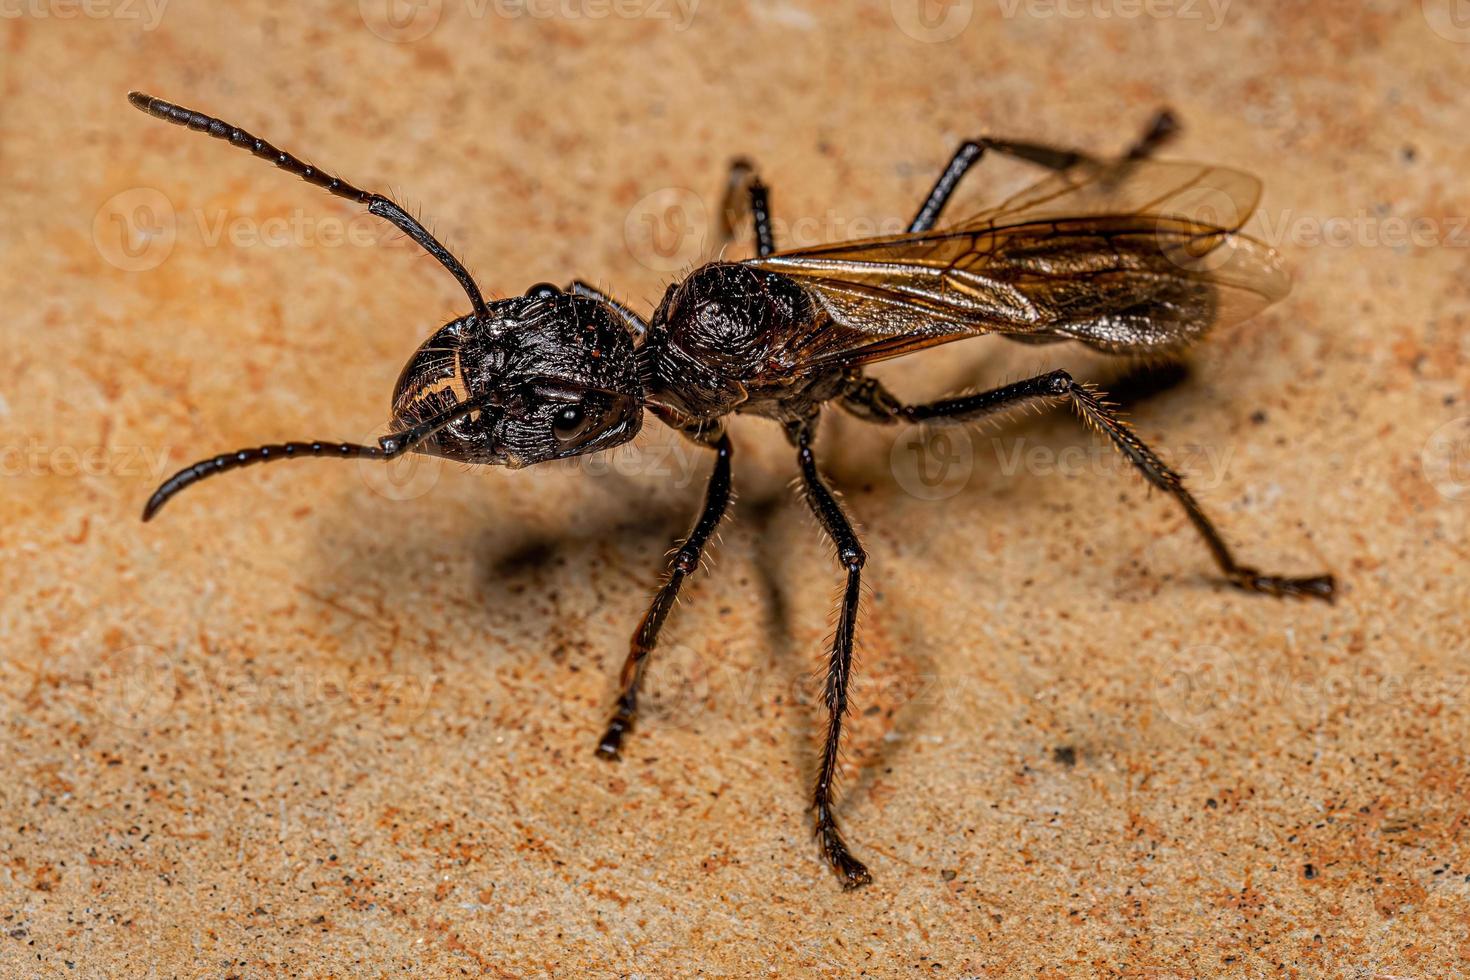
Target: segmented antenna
376, 203
190, 475
388, 447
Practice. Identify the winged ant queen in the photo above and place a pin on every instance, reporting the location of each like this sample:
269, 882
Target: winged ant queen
1113, 254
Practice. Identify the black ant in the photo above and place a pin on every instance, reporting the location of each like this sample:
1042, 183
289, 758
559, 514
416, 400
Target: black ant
1114, 254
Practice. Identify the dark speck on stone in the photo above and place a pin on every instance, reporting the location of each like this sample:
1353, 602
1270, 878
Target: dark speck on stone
1066, 755
1258, 417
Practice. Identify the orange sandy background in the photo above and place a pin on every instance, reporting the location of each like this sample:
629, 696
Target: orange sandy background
327, 720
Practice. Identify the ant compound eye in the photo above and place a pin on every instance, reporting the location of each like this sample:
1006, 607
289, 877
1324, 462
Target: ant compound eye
542, 290
569, 422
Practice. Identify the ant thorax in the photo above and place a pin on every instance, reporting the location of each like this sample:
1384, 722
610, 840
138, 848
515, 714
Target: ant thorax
721, 336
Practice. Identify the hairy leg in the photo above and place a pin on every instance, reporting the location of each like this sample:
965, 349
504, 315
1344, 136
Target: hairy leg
870, 400
681, 566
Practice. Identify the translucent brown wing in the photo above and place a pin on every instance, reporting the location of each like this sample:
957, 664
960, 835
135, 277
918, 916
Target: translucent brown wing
1139, 257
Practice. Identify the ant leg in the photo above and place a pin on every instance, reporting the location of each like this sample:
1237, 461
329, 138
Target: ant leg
376, 203
684, 562
839, 670
870, 400
746, 195
635, 324
949, 178
1160, 129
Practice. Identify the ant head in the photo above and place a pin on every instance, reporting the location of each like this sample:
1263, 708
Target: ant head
556, 373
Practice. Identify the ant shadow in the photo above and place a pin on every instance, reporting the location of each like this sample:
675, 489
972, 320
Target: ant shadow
522, 573
857, 459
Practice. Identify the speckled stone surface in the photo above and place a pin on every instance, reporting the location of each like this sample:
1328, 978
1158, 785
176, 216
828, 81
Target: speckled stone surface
320, 720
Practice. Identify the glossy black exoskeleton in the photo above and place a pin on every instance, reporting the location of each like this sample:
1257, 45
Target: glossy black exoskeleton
1132, 257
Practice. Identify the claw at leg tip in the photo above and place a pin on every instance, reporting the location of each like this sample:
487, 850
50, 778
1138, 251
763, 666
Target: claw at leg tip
610, 746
